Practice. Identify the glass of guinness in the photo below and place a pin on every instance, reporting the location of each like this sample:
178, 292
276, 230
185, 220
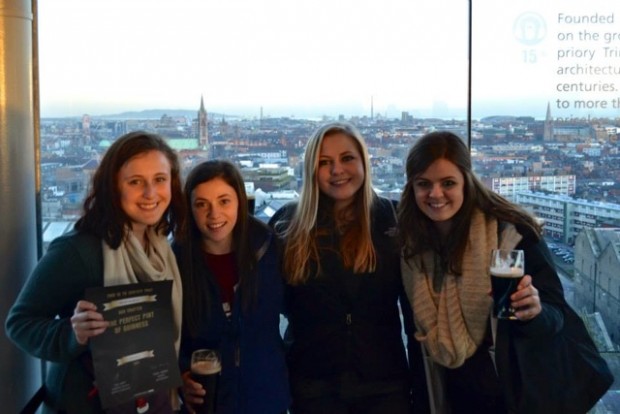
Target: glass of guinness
251, 204
206, 367
507, 268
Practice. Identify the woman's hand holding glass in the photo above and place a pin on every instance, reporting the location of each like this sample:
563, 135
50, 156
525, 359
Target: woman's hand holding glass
193, 392
520, 302
526, 300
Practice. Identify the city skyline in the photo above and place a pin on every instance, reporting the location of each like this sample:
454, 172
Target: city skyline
318, 115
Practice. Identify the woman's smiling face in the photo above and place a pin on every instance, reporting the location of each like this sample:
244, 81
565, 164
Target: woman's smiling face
439, 191
144, 187
340, 172
215, 206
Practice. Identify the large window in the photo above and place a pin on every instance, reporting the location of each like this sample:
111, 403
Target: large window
545, 99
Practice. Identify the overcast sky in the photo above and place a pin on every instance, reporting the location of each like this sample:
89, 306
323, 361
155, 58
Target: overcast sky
297, 57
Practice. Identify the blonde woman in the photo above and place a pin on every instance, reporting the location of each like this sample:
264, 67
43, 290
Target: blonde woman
341, 264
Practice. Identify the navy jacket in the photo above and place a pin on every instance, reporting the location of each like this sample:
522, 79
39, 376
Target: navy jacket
254, 378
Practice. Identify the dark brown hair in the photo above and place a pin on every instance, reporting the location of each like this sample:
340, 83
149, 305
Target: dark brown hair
196, 292
417, 231
103, 215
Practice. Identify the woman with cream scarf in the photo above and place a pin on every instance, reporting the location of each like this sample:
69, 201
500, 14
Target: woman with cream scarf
449, 223
135, 201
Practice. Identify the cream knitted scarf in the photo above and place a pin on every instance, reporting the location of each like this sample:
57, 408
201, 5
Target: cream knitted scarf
130, 263
452, 323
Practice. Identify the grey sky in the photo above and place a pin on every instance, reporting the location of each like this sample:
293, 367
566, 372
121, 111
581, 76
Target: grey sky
300, 58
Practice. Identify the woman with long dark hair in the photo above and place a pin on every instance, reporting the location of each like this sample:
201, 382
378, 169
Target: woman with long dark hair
233, 294
449, 224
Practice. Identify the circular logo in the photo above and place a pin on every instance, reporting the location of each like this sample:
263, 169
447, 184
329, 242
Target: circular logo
529, 28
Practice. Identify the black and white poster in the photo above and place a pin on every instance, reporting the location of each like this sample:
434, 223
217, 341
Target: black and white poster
135, 356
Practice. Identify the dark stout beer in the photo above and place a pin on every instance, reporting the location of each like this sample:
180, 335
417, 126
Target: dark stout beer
207, 373
504, 282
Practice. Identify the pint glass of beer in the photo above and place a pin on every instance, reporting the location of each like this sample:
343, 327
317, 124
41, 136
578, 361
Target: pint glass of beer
507, 268
206, 367
251, 204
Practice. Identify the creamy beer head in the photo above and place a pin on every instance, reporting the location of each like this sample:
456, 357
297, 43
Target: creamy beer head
206, 367
508, 272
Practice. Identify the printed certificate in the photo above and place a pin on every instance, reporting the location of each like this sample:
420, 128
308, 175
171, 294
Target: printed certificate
135, 356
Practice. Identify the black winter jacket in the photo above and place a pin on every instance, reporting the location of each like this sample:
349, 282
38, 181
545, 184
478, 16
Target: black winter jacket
345, 322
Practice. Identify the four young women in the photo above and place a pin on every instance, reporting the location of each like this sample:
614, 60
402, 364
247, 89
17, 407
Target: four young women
341, 264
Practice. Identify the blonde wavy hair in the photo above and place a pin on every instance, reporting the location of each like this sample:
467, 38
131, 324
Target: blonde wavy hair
356, 248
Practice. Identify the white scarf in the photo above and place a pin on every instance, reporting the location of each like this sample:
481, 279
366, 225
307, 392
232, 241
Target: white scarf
131, 264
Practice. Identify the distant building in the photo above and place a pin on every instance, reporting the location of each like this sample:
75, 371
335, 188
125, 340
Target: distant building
597, 282
510, 186
572, 132
182, 144
566, 217
270, 178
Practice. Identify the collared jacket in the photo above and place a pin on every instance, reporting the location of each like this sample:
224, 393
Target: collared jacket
254, 378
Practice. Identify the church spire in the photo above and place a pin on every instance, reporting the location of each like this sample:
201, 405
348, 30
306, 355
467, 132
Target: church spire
203, 131
548, 127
